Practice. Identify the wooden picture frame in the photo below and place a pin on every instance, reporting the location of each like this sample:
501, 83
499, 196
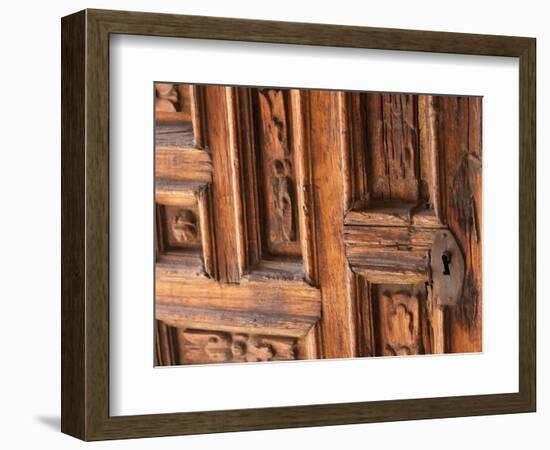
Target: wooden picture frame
85, 224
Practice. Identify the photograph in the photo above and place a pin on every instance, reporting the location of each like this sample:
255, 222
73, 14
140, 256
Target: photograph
304, 224
275, 226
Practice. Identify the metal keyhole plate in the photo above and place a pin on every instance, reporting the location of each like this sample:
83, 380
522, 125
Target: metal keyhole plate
447, 268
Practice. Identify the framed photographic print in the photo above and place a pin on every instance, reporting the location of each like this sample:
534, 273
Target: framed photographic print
272, 224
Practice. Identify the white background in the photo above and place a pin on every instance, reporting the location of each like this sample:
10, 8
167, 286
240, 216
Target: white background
30, 235
136, 387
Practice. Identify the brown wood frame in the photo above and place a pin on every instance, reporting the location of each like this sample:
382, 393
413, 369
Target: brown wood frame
85, 224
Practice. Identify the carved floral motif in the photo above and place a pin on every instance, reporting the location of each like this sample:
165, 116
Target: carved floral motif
276, 155
167, 97
184, 226
400, 312
283, 208
203, 347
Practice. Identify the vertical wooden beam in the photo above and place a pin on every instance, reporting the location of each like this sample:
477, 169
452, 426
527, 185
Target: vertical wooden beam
337, 324
304, 184
434, 321
366, 344
165, 345
354, 144
207, 230
429, 154
221, 140
196, 100
308, 347
459, 134
247, 153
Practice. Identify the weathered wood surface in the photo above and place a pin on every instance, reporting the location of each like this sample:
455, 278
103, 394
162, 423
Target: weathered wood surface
299, 224
459, 133
277, 172
336, 329
207, 347
392, 140
286, 308
173, 163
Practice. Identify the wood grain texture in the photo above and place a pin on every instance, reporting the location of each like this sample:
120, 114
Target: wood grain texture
280, 308
337, 326
73, 244
249, 180
267, 296
460, 137
277, 229
392, 133
411, 199
527, 224
85, 286
278, 172
308, 33
384, 254
304, 185
429, 155
166, 345
225, 183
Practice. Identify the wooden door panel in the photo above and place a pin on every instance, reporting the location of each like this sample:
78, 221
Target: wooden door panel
393, 162
459, 134
182, 345
277, 174
302, 224
230, 271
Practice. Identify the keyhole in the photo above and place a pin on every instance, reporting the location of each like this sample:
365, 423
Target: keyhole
446, 258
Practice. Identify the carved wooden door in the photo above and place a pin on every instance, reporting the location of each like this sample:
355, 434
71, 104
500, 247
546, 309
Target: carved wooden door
303, 224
